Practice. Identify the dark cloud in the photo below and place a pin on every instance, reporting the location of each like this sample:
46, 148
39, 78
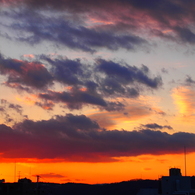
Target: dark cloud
63, 126
78, 137
189, 80
46, 105
156, 126
172, 8
20, 72
186, 35
9, 111
70, 72
37, 27
50, 175
18, 87
80, 122
112, 86
92, 87
115, 106
125, 74
16, 107
74, 99
83, 84
87, 85
167, 19
2, 109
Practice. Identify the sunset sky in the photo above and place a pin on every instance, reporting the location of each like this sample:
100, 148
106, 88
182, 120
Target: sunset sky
96, 91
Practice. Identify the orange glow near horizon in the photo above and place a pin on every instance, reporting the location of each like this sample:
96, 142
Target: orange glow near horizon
127, 168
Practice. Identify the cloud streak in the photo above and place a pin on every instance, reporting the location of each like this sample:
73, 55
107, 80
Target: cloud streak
156, 126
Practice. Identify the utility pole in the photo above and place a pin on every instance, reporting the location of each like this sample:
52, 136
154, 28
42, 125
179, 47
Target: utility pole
38, 176
38, 187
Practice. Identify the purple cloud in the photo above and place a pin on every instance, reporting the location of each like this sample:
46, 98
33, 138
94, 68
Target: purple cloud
76, 137
31, 74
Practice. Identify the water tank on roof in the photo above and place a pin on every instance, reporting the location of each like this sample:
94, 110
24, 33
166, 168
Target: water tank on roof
174, 172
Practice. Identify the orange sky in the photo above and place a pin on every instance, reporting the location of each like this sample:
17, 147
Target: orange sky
141, 167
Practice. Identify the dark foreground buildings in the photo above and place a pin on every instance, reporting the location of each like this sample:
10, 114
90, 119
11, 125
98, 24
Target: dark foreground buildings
174, 184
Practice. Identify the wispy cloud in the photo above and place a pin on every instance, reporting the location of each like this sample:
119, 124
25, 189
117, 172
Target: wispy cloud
184, 98
50, 175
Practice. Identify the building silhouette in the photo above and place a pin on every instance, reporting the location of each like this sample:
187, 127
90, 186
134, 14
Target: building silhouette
175, 183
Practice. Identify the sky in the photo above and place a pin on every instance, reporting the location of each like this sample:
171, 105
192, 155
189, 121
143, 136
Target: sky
96, 91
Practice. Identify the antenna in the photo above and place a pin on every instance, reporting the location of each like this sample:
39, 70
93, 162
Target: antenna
38, 176
30, 172
15, 171
185, 159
